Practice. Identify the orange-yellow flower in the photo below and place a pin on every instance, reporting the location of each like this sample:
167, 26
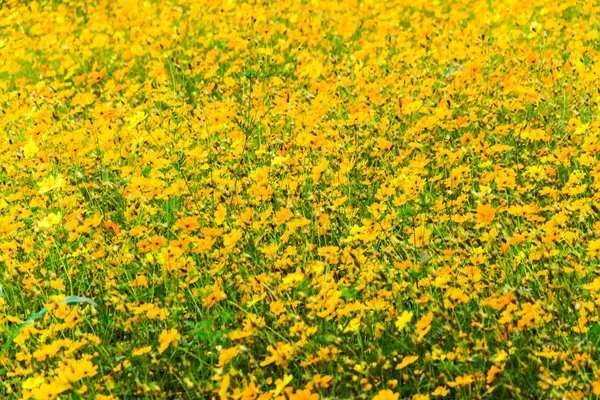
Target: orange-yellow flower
168, 337
226, 355
485, 214
386, 395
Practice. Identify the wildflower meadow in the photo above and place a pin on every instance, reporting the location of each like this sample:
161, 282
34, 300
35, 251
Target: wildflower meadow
299, 199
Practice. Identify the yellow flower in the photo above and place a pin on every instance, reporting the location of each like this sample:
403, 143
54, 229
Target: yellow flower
494, 370
593, 247
406, 361
500, 356
277, 307
73, 370
226, 355
304, 395
280, 355
403, 320
140, 351
50, 390
231, 238
33, 382
420, 396
386, 395
30, 149
424, 325
136, 119
440, 391
561, 381
485, 214
50, 220
220, 214
461, 381
224, 387
419, 236
187, 224
353, 325
166, 338
596, 388
50, 183
280, 384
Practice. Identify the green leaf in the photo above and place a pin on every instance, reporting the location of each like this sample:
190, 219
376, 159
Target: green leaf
594, 330
68, 300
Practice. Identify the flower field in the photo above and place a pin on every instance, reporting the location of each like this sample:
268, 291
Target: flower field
299, 199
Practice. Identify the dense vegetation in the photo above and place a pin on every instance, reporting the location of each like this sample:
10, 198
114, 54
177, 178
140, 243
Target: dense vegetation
299, 199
